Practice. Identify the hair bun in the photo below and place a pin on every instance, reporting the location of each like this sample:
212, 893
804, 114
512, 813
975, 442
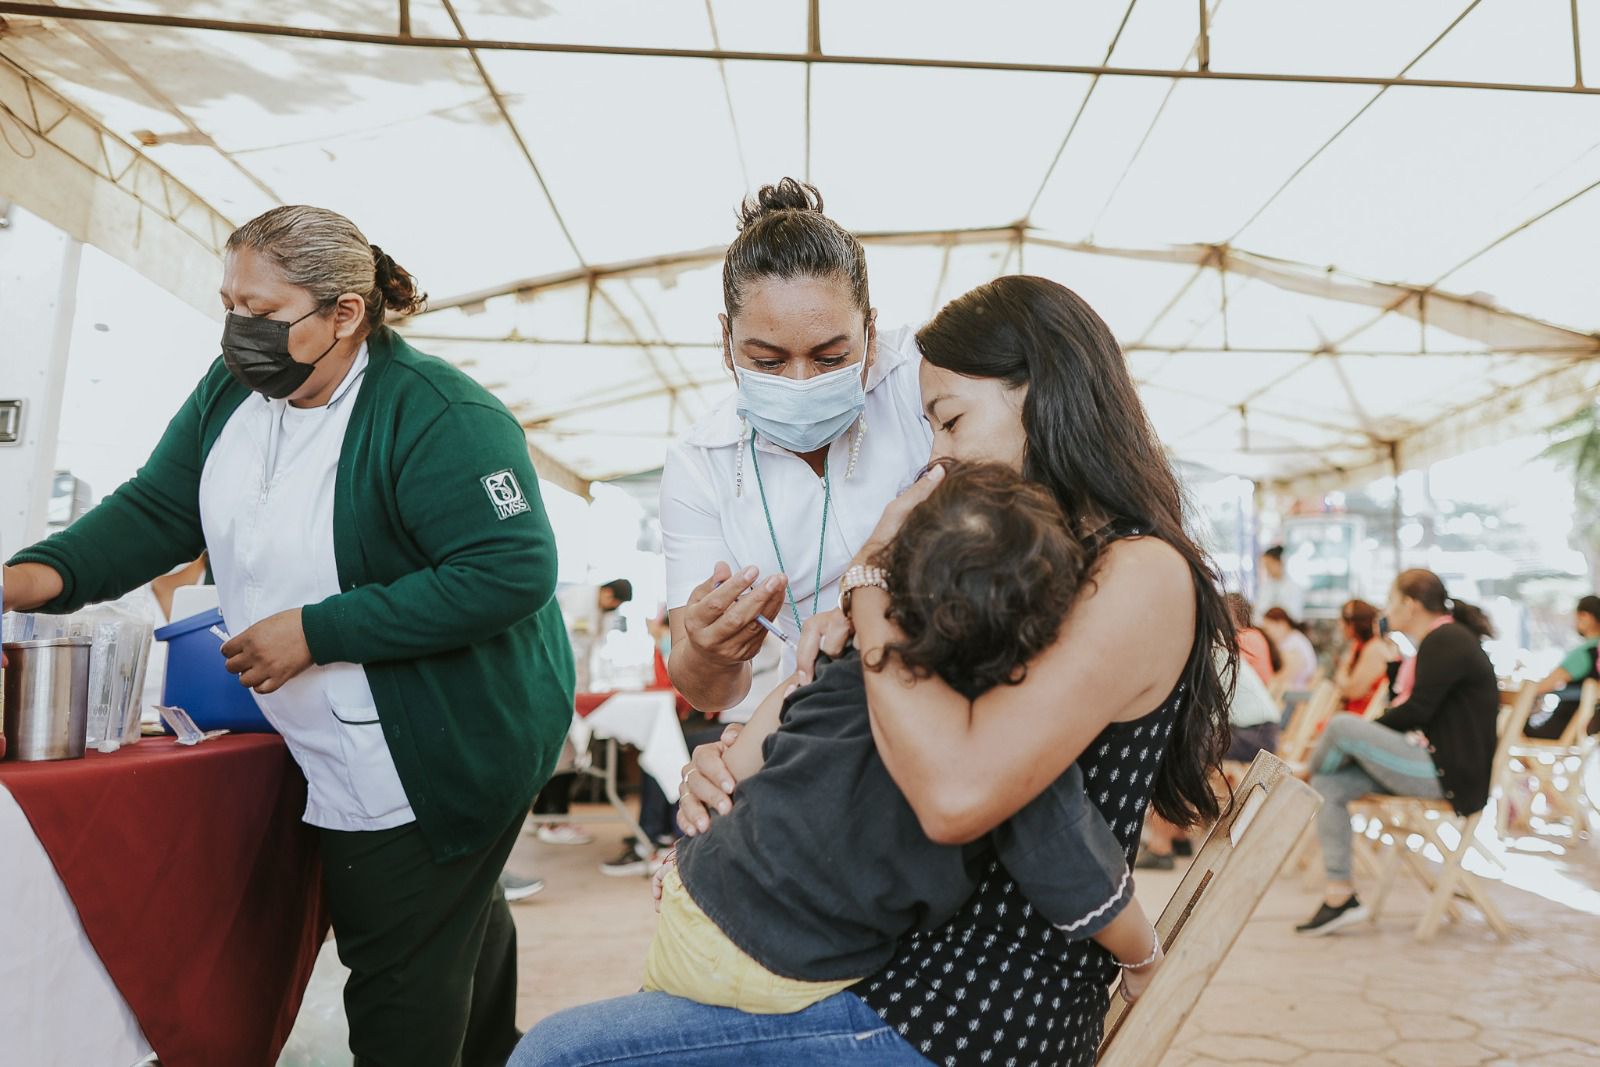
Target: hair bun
382, 264
787, 195
396, 286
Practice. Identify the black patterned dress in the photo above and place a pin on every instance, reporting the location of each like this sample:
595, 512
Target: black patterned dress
999, 984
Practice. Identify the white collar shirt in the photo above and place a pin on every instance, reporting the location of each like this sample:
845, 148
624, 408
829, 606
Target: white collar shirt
266, 504
713, 511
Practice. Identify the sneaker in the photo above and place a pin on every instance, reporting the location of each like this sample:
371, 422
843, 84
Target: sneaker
1329, 918
517, 888
633, 859
564, 833
1152, 861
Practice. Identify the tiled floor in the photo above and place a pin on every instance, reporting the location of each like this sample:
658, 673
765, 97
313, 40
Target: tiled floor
1368, 997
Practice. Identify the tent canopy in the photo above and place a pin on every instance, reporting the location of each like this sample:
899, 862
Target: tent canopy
1317, 273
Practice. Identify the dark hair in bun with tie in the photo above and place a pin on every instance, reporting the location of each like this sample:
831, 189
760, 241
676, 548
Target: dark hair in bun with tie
784, 234
396, 285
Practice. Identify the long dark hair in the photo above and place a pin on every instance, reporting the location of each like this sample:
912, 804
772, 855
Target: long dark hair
1427, 589
1361, 617
784, 234
1279, 615
1091, 443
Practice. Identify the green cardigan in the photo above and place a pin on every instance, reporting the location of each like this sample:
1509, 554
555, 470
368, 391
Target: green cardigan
448, 570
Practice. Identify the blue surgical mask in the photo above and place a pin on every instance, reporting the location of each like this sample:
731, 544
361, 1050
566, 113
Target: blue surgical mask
802, 416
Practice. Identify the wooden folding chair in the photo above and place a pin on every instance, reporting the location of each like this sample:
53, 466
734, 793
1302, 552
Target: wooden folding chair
1402, 819
1295, 743
1378, 704
1200, 923
1555, 768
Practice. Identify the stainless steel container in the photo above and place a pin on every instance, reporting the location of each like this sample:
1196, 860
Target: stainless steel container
47, 698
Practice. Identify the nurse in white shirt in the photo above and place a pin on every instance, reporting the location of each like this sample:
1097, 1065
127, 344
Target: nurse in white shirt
768, 498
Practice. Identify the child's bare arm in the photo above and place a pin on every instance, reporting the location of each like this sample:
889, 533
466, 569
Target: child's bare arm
1131, 939
744, 757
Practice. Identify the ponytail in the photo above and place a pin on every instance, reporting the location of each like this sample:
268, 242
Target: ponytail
1427, 589
396, 287
1472, 618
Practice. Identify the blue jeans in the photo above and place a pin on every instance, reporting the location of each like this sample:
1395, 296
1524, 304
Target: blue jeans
1356, 757
655, 1028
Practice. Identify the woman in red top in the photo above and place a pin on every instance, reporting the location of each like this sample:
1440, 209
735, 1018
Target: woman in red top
1365, 664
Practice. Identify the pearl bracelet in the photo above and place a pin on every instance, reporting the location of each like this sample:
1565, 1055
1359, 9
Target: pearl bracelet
1155, 953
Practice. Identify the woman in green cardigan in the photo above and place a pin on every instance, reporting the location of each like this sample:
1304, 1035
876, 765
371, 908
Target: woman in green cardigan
387, 572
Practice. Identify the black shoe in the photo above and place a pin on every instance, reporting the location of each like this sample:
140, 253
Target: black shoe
634, 859
1153, 861
1330, 919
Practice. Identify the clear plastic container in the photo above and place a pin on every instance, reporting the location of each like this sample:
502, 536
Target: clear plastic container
121, 646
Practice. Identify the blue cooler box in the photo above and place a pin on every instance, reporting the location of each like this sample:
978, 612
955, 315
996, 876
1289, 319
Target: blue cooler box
198, 681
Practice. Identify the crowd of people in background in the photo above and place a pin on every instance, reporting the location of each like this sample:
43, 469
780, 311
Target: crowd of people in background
1416, 720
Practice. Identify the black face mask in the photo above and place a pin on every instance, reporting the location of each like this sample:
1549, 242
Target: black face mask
256, 353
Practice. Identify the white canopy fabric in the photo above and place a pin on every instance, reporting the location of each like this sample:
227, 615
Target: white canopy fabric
1318, 275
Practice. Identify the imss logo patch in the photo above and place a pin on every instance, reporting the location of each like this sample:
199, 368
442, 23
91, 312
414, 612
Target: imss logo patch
505, 493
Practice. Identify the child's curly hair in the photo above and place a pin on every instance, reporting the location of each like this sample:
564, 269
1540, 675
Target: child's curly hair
981, 576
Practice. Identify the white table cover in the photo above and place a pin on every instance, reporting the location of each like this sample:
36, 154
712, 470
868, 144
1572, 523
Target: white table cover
58, 1006
648, 721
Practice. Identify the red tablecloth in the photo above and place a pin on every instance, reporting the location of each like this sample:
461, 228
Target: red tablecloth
196, 882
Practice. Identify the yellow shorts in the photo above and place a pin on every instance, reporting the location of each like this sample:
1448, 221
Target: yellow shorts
691, 957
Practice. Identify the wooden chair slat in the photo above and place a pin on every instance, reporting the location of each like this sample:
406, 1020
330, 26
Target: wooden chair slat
1229, 875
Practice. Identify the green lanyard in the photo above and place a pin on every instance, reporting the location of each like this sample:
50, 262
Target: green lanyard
827, 499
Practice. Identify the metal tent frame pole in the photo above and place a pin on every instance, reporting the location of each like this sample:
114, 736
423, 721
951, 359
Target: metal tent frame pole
270, 29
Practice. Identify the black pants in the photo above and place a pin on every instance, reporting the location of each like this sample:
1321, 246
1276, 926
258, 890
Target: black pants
657, 818
556, 796
1551, 727
431, 949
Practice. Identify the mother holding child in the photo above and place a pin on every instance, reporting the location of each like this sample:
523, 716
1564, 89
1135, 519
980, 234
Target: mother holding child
917, 850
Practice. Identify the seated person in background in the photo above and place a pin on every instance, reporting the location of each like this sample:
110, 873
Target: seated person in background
1436, 742
1299, 658
1253, 717
1567, 679
805, 886
1255, 647
1364, 667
